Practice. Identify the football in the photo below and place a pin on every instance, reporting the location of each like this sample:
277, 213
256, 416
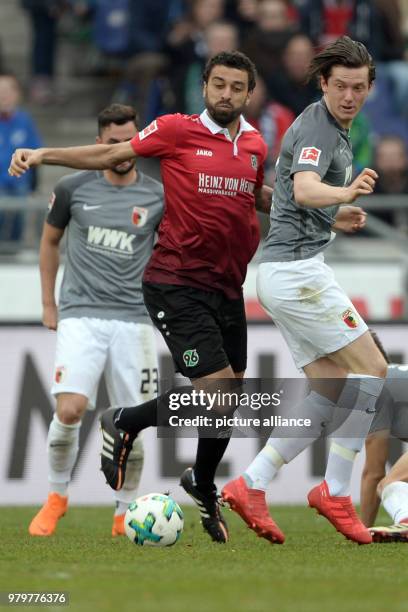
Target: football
154, 520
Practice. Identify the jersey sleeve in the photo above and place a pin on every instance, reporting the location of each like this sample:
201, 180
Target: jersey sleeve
314, 145
158, 139
260, 175
59, 207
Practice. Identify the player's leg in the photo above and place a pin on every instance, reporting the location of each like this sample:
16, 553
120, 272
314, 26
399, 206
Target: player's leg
233, 327
62, 451
314, 322
246, 494
79, 361
131, 375
367, 369
187, 319
376, 453
393, 490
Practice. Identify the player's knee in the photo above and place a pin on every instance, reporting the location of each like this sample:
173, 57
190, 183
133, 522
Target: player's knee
70, 412
380, 368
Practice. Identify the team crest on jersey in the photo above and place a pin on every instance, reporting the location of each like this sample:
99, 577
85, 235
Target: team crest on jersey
51, 201
59, 374
147, 131
191, 358
309, 155
139, 216
254, 162
350, 318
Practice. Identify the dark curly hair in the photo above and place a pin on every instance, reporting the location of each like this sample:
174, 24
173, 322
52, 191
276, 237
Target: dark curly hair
232, 59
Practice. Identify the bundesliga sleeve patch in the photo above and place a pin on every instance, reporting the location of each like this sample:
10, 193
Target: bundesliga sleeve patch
309, 155
147, 131
51, 201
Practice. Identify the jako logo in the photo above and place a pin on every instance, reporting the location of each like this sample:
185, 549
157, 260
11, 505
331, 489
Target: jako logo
204, 152
111, 239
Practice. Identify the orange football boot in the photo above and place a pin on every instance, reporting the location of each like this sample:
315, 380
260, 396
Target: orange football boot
45, 521
340, 512
251, 506
118, 525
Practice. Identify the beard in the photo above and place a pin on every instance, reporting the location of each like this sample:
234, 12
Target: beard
125, 170
223, 116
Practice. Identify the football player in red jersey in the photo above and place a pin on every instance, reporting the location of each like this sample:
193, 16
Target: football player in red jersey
212, 170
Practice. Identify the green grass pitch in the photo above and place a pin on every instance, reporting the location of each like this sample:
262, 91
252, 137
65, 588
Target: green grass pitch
316, 570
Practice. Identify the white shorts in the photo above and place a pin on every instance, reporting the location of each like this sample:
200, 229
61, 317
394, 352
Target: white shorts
310, 308
124, 352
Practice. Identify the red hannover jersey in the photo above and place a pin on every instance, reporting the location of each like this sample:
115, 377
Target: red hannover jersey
209, 231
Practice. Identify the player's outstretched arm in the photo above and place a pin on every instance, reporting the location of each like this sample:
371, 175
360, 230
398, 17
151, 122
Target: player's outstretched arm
376, 447
89, 157
309, 191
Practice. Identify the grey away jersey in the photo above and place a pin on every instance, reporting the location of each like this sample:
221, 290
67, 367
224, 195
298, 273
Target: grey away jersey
392, 405
314, 142
110, 235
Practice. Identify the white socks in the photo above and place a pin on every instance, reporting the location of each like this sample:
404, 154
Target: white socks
395, 500
280, 450
62, 449
357, 410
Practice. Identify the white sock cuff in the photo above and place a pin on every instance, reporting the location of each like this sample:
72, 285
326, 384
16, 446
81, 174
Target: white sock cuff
342, 451
272, 454
397, 487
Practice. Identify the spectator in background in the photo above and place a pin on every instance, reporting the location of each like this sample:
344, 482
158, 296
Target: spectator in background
266, 40
44, 16
187, 47
272, 120
375, 23
17, 129
391, 164
186, 39
244, 14
288, 84
218, 37
326, 20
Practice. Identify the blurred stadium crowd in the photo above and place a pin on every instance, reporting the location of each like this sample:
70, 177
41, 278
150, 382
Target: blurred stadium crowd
153, 54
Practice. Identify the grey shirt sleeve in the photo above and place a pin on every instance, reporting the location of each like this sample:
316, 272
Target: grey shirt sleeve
315, 141
59, 213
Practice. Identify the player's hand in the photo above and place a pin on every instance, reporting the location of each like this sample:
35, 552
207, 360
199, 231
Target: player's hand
24, 159
363, 184
50, 317
350, 219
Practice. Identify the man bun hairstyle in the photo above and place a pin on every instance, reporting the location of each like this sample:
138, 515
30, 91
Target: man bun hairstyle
342, 52
119, 114
232, 59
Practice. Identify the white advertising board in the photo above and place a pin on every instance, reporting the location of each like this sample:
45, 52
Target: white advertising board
26, 367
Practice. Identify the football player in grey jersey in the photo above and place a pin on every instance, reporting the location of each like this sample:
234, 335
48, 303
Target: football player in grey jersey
327, 337
110, 219
391, 489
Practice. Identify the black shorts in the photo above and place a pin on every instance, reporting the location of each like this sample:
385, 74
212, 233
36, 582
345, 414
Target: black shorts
204, 330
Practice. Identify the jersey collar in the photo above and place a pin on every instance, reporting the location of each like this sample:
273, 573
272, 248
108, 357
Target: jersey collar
214, 128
